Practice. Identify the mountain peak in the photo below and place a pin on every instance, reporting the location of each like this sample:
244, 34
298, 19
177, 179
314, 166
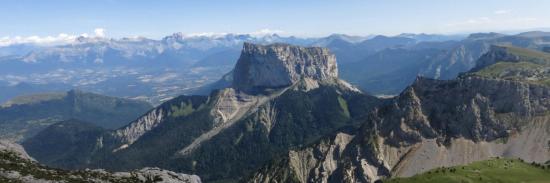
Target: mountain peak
281, 65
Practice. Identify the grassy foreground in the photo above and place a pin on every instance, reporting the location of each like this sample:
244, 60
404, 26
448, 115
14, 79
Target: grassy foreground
493, 170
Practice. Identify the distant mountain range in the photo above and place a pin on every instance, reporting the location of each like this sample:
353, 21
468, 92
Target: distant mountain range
393, 68
157, 70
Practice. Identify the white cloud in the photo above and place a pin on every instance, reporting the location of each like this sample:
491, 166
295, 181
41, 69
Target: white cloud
502, 12
99, 32
61, 38
261, 32
264, 32
206, 34
46, 40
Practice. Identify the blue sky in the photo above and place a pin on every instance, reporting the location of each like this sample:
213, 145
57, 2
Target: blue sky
158, 18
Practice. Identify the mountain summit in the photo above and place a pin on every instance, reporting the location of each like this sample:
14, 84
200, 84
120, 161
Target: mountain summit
280, 65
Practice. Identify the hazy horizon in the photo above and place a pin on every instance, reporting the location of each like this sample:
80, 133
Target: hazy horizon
117, 19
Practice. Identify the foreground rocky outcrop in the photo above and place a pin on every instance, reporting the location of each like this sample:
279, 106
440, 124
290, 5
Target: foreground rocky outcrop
17, 166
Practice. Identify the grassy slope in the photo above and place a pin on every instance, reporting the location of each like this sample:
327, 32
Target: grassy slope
532, 67
493, 170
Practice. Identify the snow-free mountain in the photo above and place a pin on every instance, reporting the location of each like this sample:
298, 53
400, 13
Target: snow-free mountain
302, 123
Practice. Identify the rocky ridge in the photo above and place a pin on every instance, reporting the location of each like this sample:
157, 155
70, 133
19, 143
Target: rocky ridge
17, 166
433, 123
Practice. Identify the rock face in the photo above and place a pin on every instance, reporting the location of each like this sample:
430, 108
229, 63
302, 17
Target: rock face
14, 148
281, 65
160, 175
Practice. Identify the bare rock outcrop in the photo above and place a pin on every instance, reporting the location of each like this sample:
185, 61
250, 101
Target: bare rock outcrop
433, 123
17, 166
282, 65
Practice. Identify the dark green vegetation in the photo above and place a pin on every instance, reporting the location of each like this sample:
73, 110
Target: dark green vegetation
75, 144
25, 116
388, 71
302, 118
513, 63
79, 142
494, 170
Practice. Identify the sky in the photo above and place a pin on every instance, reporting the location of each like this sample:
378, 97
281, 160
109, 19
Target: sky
65, 19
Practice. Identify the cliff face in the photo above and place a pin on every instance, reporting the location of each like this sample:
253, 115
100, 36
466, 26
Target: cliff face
282, 65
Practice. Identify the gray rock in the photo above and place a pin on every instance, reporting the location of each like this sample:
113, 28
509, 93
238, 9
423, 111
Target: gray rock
433, 123
281, 65
17, 166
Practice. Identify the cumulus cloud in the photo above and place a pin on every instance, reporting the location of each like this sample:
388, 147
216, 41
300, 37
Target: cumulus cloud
99, 32
62, 38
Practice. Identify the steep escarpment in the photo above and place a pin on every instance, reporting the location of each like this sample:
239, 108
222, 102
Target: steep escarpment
282, 65
433, 123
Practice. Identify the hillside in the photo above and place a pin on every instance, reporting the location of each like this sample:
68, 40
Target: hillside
392, 69
493, 170
16, 166
24, 116
513, 63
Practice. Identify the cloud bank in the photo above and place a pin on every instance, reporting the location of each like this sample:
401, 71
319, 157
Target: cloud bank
61, 38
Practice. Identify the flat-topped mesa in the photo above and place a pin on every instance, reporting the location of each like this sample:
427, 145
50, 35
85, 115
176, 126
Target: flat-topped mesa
281, 65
